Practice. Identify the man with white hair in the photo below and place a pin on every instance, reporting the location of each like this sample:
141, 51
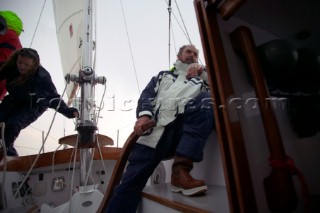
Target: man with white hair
178, 101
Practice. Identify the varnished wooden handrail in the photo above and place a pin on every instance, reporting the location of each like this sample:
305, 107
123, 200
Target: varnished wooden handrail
229, 7
237, 173
279, 187
120, 165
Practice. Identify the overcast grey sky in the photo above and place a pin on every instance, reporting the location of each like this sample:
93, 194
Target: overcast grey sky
147, 26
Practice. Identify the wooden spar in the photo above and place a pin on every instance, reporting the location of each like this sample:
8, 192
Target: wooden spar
234, 157
120, 165
226, 8
279, 187
100, 140
229, 7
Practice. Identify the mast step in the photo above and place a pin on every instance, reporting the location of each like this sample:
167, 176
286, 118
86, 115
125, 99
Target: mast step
71, 140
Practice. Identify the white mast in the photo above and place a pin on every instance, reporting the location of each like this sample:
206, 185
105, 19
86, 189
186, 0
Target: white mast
87, 126
87, 72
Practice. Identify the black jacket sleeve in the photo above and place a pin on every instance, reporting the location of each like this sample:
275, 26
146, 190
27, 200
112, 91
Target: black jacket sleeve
145, 102
48, 96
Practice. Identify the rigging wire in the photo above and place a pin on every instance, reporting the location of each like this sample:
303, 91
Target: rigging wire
45, 139
44, 3
179, 24
73, 171
35, 31
100, 155
101, 105
40, 130
134, 67
188, 37
169, 42
181, 28
53, 158
174, 41
185, 30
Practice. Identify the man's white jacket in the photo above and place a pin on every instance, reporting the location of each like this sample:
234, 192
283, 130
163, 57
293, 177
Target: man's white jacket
165, 97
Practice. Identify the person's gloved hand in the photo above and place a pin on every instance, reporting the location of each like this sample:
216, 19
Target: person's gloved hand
72, 113
76, 114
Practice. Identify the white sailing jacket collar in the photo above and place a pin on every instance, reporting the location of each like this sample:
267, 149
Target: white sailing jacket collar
179, 66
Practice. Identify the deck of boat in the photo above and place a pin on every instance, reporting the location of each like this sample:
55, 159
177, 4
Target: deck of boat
160, 198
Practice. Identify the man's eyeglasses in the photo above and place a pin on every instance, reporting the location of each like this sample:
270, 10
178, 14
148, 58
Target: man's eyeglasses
28, 52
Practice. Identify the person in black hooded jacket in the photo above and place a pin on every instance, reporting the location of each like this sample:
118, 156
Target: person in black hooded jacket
30, 93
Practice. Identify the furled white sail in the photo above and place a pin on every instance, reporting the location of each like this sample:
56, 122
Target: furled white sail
69, 27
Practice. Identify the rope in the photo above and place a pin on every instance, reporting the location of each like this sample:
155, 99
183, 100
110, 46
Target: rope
289, 165
174, 42
184, 25
134, 67
42, 147
44, 3
101, 104
73, 171
179, 24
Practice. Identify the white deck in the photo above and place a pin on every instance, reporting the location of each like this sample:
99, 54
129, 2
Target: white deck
215, 200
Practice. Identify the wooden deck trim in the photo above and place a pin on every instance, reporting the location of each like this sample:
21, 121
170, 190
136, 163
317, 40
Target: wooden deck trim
228, 127
173, 204
24, 163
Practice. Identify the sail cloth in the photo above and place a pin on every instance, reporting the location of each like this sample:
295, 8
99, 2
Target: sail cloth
69, 27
